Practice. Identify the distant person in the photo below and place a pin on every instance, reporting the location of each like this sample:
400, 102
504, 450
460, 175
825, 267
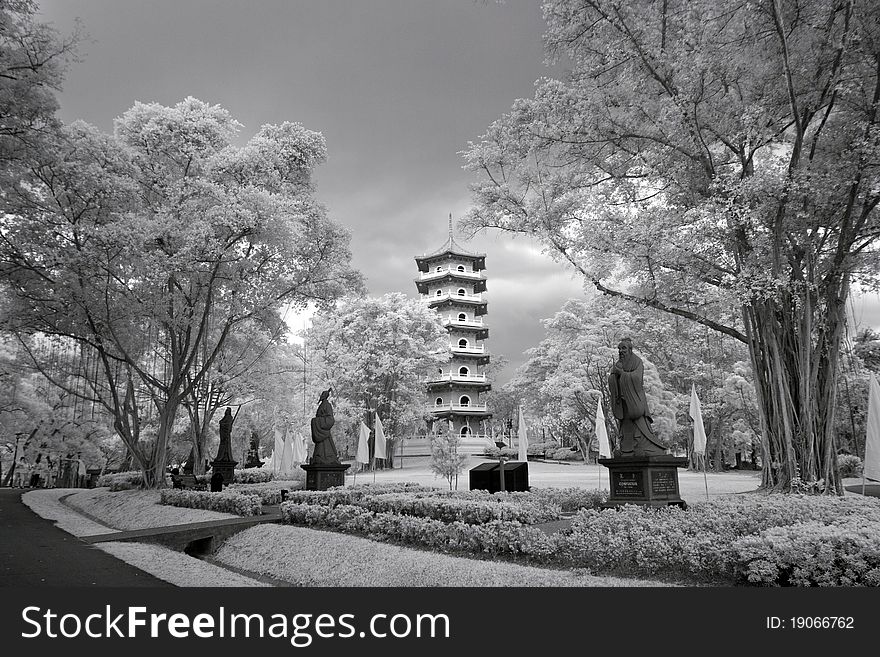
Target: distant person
37, 471
21, 476
81, 472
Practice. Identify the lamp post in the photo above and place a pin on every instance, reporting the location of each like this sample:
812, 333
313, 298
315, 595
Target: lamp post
500, 445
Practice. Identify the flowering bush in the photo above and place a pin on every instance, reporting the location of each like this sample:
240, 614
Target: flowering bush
252, 476
227, 502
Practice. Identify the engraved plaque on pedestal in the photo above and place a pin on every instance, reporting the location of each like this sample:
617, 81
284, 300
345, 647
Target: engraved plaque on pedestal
645, 480
628, 484
323, 476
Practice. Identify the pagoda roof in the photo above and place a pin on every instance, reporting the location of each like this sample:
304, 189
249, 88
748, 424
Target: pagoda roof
452, 248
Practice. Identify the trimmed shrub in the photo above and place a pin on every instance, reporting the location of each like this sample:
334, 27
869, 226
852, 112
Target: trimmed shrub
811, 554
571, 499
701, 541
495, 538
252, 476
450, 509
492, 452
350, 494
565, 454
118, 481
796, 540
269, 492
849, 465
226, 502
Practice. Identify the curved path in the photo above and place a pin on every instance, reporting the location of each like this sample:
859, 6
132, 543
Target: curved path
34, 552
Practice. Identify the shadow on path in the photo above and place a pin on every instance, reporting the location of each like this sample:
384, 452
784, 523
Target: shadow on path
34, 552
871, 490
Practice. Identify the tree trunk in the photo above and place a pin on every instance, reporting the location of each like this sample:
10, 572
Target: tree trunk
794, 344
154, 469
199, 429
718, 443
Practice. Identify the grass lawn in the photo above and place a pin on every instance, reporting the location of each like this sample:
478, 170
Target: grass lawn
564, 475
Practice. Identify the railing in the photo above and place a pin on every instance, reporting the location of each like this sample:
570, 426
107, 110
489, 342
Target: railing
477, 298
464, 378
457, 407
429, 275
470, 349
476, 321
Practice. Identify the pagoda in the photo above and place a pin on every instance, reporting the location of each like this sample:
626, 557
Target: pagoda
452, 281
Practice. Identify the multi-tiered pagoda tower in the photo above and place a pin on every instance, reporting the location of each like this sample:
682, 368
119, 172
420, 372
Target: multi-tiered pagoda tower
452, 282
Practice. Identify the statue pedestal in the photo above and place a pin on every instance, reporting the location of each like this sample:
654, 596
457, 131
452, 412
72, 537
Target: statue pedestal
645, 480
226, 468
322, 476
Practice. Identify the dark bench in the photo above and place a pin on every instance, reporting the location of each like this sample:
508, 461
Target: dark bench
186, 482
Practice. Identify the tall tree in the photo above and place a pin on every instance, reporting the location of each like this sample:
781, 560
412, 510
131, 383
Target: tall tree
149, 247
376, 353
566, 375
33, 58
704, 156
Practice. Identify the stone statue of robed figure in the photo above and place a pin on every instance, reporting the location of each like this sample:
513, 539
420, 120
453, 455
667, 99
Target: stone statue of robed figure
630, 406
325, 448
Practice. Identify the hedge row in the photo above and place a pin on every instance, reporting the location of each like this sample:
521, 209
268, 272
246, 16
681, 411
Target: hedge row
252, 475
496, 537
118, 481
471, 512
269, 492
751, 539
226, 502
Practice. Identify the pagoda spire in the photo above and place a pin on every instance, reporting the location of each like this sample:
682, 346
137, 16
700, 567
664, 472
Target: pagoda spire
450, 225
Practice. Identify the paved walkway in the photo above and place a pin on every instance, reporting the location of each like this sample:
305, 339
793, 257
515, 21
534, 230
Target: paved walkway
871, 490
179, 535
34, 552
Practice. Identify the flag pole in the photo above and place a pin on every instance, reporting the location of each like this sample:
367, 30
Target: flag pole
705, 479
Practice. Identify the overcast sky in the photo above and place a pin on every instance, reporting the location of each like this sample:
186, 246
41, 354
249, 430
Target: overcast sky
397, 87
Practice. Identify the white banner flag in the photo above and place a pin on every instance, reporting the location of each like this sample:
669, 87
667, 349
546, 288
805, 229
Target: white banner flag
697, 417
363, 453
523, 438
278, 450
300, 450
380, 439
872, 438
602, 433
